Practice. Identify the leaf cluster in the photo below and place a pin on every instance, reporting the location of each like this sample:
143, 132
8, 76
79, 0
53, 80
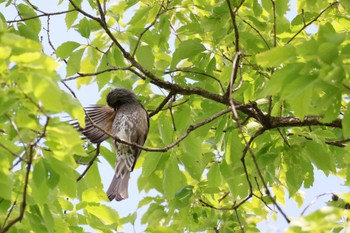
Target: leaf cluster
245, 105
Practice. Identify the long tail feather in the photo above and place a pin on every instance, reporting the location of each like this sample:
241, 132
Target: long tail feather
118, 189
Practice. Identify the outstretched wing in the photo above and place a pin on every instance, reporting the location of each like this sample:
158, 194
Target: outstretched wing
103, 117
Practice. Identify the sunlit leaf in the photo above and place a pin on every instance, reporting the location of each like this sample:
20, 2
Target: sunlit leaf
66, 49
174, 180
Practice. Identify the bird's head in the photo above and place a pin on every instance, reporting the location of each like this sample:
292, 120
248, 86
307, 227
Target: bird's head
120, 96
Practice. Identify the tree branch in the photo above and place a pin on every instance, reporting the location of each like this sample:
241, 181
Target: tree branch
162, 104
313, 20
39, 16
257, 31
91, 162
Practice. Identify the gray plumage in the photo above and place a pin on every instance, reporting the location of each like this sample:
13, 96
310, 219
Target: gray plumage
125, 118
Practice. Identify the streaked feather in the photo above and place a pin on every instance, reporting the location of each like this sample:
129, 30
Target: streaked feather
103, 117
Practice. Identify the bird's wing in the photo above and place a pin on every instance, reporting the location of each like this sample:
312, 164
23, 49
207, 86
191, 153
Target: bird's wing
103, 117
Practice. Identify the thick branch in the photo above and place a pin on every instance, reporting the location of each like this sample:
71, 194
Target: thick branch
276, 122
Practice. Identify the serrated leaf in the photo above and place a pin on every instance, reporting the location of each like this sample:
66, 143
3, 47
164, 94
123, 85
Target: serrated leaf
65, 50
192, 157
105, 214
67, 177
145, 57
83, 27
150, 163
27, 12
276, 56
93, 179
73, 64
214, 176
320, 156
173, 180
234, 148
165, 129
73, 15
187, 49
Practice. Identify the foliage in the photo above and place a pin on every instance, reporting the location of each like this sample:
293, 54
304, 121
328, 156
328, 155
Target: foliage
245, 105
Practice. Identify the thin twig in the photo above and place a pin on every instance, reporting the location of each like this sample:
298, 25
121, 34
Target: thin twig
147, 28
24, 199
313, 20
11, 152
90, 163
257, 31
84, 12
214, 207
313, 201
14, 126
81, 75
233, 14
199, 73
239, 221
39, 16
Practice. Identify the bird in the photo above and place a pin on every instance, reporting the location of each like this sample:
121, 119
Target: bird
125, 118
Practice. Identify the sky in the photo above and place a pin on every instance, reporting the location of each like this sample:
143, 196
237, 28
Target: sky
89, 95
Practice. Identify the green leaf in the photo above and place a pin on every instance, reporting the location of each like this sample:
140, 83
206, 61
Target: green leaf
173, 180
346, 122
72, 15
67, 177
93, 179
328, 52
50, 98
165, 129
234, 148
73, 64
183, 196
33, 25
301, 103
181, 117
214, 176
320, 156
105, 214
66, 49
281, 7
187, 49
6, 182
19, 44
26, 57
276, 56
40, 190
184, 193
299, 170
94, 195
83, 27
48, 219
192, 157
145, 57
150, 163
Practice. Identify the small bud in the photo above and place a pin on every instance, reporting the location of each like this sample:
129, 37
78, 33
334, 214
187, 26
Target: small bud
335, 197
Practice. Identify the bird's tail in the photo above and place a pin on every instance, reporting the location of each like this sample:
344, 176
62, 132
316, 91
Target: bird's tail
118, 189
